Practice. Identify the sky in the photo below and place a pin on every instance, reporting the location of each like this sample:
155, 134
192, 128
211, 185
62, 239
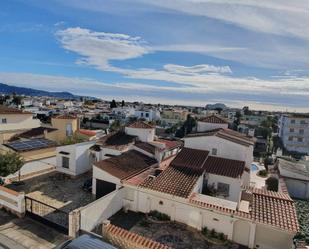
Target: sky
188, 52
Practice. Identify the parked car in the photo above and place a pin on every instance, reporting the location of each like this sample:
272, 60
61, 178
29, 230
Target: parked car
87, 186
85, 242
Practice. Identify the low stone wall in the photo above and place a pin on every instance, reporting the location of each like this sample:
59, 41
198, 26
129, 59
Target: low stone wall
12, 201
124, 239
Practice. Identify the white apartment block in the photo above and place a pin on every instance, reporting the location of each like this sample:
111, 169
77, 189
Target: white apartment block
294, 132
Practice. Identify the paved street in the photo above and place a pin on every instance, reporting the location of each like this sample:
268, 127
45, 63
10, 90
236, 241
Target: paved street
26, 233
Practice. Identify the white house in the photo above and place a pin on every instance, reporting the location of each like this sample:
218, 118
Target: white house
224, 143
211, 122
75, 159
147, 114
144, 131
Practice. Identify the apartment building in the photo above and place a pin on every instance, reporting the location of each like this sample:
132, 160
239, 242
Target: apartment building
294, 132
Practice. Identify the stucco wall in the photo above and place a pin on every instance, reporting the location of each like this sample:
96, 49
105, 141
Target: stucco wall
60, 124
297, 188
100, 210
144, 135
269, 238
18, 122
202, 126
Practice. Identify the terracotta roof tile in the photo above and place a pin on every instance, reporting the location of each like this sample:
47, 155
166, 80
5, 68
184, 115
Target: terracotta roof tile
191, 158
224, 167
147, 243
176, 181
141, 125
227, 134
117, 140
170, 144
9, 110
35, 132
146, 147
126, 165
214, 119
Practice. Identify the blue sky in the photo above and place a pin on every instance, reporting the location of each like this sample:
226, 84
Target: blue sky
191, 52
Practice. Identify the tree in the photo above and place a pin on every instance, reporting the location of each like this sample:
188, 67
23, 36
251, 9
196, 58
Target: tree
122, 103
187, 127
237, 120
115, 126
219, 109
246, 110
17, 100
272, 183
10, 163
113, 104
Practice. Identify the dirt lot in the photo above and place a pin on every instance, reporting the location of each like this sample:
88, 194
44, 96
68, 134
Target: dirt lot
173, 234
57, 190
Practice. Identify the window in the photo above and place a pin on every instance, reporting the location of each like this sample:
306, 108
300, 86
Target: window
301, 131
293, 121
290, 138
300, 139
65, 162
142, 114
4, 121
69, 130
214, 151
223, 188
292, 130
147, 115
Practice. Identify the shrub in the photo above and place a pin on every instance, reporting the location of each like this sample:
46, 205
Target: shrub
263, 173
213, 233
145, 223
205, 230
159, 216
221, 236
272, 184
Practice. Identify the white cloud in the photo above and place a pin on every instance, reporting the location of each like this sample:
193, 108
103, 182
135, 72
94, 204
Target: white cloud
197, 69
98, 48
282, 17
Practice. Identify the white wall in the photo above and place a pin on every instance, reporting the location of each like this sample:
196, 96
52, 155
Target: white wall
144, 135
297, 188
225, 148
234, 183
96, 212
12, 200
202, 126
79, 158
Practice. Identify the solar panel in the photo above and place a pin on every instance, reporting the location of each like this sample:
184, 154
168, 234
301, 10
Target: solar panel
33, 144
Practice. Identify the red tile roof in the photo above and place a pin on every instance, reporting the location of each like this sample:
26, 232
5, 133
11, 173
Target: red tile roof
224, 167
141, 125
170, 144
116, 140
267, 207
9, 110
174, 181
146, 147
87, 132
227, 134
275, 209
65, 116
190, 158
214, 119
125, 235
127, 164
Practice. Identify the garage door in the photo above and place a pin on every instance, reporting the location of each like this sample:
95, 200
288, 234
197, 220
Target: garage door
267, 238
103, 188
241, 232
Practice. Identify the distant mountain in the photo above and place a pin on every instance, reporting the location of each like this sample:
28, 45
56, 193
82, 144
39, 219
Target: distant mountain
7, 89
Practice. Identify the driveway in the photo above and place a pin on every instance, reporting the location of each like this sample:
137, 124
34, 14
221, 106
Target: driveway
26, 233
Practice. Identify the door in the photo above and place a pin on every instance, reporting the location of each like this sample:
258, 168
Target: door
103, 188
